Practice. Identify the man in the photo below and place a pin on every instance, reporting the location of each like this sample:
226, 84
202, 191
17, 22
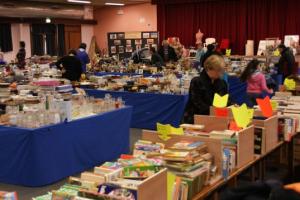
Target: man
211, 50
199, 54
167, 52
156, 59
83, 56
286, 62
71, 66
204, 87
21, 55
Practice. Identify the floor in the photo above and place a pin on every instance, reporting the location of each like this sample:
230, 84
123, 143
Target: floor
27, 193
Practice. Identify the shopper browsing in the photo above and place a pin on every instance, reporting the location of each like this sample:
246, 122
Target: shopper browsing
156, 59
21, 55
204, 87
71, 66
83, 56
167, 52
256, 82
286, 62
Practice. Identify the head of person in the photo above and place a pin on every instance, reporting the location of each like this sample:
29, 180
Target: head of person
82, 46
252, 66
211, 47
281, 48
22, 44
152, 50
214, 66
72, 52
165, 43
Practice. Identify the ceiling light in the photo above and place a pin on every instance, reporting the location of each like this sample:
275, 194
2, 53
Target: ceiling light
48, 20
114, 4
79, 1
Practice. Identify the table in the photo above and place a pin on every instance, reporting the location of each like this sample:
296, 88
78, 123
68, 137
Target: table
126, 74
38, 157
149, 108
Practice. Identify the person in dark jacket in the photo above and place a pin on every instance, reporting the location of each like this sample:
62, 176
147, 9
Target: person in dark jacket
83, 56
156, 59
167, 52
21, 55
286, 62
71, 66
211, 50
203, 88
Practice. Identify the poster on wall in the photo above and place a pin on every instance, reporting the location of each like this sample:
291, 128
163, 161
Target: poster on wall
262, 47
291, 40
124, 44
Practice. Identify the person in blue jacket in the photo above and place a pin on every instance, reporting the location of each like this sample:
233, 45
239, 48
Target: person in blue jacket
83, 56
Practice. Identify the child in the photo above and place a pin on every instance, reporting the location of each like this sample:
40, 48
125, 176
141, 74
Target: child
256, 81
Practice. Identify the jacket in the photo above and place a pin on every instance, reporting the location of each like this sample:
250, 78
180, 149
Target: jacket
84, 58
171, 56
201, 95
21, 58
72, 67
257, 84
156, 60
286, 63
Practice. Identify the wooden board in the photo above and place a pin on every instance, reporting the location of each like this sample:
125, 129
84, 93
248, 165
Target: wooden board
212, 123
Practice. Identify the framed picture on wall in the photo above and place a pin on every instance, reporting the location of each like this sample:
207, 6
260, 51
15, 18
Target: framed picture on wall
153, 35
138, 42
128, 49
113, 36
113, 49
121, 36
121, 49
128, 42
146, 35
150, 41
117, 42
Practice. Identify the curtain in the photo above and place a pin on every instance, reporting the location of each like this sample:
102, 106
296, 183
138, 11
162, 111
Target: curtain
237, 20
40, 34
5, 38
61, 39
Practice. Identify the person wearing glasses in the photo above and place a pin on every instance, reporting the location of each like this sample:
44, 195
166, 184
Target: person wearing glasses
203, 88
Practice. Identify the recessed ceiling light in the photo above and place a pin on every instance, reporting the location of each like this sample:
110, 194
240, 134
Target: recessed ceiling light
114, 4
48, 20
79, 1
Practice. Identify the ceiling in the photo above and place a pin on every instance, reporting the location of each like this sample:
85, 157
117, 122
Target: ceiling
94, 2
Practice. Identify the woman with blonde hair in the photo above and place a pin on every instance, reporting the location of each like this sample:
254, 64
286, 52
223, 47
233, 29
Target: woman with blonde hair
204, 87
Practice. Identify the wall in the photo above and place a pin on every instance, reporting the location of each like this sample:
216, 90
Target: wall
140, 17
19, 32
87, 33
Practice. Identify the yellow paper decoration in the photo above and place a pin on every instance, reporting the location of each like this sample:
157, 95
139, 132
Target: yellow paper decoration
165, 130
171, 178
228, 52
274, 105
220, 101
242, 115
276, 53
177, 131
290, 84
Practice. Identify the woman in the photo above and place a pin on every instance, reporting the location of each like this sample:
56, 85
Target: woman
21, 55
256, 82
71, 66
203, 88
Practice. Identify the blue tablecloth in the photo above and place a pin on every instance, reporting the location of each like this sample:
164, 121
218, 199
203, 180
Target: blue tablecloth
126, 74
149, 108
37, 157
237, 90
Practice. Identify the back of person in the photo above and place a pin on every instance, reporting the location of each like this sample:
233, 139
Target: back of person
83, 56
255, 83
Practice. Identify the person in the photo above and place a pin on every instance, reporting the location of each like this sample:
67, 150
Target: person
199, 54
2, 61
256, 82
211, 50
21, 55
167, 52
71, 66
203, 88
83, 56
286, 62
156, 59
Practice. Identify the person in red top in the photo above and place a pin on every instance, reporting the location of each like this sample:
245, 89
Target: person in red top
256, 82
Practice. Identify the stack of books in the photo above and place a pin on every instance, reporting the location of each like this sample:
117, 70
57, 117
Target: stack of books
191, 163
8, 195
147, 148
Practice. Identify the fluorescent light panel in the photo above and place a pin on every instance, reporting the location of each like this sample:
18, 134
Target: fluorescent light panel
79, 1
114, 4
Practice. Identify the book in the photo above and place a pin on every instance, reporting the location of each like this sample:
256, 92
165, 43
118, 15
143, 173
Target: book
188, 146
182, 156
222, 134
140, 172
92, 177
